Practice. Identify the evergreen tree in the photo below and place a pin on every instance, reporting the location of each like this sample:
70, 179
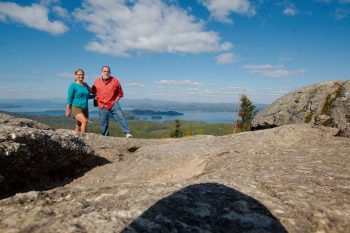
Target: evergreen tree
189, 131
177, 132
246, 113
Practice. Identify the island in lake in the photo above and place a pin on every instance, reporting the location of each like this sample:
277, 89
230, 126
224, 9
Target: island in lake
155, 113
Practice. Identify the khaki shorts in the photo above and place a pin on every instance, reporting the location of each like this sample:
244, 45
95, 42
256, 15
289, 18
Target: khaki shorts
77, 110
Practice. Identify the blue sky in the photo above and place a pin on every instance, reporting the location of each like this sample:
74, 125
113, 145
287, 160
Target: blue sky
188, 50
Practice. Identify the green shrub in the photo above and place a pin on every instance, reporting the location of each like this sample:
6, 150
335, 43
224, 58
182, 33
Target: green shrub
308, 117
328, 122
177, 132
330, 99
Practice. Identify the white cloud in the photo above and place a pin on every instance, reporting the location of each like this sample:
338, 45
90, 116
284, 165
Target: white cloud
65, 74
122, 27
226, 46
329, 1
226, 58
63, 13
48, 2
193, 89
285, 57
8, 90
35, 72
184, 94
178, 83
232, 90
271, 71
324, 1
135, 84
341, 14
11, 92
262, 67
34, 16
290, 10
203, 94
221, 9
278, 93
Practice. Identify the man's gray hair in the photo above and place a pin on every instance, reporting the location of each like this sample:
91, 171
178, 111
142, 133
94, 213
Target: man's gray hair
106, 67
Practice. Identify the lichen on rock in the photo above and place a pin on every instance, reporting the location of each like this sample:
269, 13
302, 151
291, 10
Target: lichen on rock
325, 104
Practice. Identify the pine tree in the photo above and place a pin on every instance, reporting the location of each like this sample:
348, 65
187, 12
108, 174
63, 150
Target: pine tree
177, 132
189, 131
246, 112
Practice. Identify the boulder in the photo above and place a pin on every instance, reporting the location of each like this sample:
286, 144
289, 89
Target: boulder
32, 158
9, 120
325, 104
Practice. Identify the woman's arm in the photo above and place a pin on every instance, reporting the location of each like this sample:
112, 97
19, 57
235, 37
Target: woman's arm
68, 106
69, 100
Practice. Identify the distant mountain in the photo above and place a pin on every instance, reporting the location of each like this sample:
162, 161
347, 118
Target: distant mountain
141, 104
9, 106
162, 105
33, 101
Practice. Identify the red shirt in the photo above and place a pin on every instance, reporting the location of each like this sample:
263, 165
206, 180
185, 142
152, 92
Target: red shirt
107, 93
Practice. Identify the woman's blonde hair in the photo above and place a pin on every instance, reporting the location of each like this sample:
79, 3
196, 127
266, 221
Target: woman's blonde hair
76, 71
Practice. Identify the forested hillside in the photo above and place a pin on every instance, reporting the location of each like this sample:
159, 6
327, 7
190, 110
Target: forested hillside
140, 129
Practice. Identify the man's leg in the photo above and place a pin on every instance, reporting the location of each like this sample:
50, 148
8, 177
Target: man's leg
104, 118
117, 114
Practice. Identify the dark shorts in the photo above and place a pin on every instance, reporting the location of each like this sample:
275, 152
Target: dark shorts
77, 110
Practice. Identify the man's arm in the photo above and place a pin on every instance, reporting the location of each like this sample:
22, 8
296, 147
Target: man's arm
93, 89
119, 91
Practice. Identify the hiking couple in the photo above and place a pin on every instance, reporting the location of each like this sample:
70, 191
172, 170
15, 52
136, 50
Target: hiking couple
106, 91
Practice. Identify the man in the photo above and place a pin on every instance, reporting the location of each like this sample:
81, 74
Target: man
108, 92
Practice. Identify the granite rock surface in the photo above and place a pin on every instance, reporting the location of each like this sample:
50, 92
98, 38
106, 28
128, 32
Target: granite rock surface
6, 119
325, 103
293, 178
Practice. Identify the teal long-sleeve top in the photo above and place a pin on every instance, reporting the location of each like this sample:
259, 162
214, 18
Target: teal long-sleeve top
78, 95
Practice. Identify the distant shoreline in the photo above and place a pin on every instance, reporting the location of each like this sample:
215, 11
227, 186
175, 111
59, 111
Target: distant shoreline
142, 104
146, 109
208, 117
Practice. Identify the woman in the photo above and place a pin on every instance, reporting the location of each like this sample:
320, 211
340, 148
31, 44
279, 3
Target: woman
78, 95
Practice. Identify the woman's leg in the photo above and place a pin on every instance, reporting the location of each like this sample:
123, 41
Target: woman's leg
77, 126
83, 121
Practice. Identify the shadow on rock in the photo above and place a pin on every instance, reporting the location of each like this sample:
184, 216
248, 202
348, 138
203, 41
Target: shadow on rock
207, 207
32, 159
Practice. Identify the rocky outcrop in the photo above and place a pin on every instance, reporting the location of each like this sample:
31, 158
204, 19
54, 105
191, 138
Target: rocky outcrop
325, 104
33, 158
293, 178
9, 120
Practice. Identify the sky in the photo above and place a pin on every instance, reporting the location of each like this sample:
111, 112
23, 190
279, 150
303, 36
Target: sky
181, 50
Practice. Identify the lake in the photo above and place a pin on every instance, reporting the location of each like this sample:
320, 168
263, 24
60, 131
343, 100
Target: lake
59, 110
209, 117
